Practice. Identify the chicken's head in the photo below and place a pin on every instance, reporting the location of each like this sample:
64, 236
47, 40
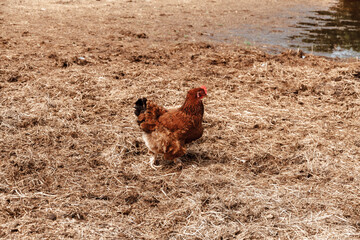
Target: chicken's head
198, 93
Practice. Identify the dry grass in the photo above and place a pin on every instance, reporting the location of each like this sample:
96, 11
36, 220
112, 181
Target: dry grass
279, 158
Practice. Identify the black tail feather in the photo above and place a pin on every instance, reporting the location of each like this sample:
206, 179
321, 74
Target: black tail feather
140, 106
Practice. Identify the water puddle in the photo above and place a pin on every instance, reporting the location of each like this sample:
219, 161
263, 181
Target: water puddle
332, 32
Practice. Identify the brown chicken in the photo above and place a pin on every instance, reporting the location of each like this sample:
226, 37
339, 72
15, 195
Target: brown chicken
167, 131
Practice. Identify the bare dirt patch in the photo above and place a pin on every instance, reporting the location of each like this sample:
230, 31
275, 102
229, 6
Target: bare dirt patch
279, 157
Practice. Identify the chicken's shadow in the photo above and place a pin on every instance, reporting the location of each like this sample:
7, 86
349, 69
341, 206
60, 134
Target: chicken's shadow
189, 159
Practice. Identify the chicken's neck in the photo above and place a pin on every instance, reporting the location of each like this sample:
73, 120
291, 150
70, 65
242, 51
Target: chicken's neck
193, 107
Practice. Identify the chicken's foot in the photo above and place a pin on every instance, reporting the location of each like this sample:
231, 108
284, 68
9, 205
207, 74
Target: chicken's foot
152, 161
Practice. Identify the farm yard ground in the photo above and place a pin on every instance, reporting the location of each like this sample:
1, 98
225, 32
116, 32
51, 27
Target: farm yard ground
280, 156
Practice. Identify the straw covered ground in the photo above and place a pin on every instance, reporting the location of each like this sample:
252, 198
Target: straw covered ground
279, 157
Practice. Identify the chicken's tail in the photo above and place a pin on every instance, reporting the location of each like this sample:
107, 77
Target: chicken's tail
140, 106
148, 114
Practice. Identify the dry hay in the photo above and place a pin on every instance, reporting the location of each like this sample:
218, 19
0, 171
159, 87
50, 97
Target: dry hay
279, 157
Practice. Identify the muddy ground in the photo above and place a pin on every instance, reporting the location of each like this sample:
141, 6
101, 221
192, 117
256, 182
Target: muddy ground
279, 157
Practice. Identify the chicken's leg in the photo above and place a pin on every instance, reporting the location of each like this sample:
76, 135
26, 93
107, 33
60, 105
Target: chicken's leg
178, 163
152, 160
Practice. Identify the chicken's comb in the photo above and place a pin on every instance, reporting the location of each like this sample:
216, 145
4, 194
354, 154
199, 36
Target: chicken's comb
203, 87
